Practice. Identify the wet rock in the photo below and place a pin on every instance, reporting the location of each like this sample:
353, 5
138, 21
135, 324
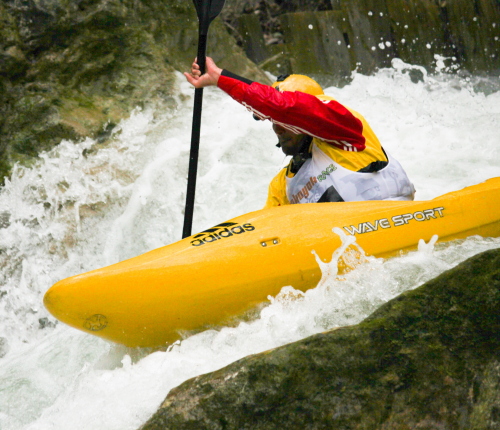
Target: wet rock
249, 28
45, 322
70, 69
332, 39
4, 347
426, 359
4, 222
413, 41
318, 46
473, 30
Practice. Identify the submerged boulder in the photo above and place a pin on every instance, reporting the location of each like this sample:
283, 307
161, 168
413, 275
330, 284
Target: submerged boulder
427, 359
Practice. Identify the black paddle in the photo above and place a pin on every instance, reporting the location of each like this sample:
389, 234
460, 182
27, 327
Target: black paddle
207, 10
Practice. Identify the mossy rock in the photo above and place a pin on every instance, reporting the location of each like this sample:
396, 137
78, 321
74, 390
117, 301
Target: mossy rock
315, 44
71, 68
426, 359
250, 31
279, 63
413, 42
474, 33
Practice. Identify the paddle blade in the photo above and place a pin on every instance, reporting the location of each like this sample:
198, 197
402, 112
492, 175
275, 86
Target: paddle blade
207, 10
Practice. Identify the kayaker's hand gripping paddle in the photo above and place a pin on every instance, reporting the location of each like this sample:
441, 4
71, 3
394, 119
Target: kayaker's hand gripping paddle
207, 10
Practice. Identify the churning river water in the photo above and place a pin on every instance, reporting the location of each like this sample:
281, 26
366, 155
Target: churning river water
83, 206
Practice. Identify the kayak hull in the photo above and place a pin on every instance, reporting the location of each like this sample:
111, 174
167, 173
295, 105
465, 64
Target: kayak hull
209, 278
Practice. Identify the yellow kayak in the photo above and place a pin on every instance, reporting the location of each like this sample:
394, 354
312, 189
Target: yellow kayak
223, 272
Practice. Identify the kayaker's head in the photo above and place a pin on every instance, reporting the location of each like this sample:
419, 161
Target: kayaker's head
289, 142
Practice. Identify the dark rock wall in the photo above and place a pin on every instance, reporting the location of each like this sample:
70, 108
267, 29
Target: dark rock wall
330, 39
428, 359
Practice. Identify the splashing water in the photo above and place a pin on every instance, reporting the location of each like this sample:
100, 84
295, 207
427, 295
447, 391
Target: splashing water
83, 206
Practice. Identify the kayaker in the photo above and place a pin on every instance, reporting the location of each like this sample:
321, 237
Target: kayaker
336, 156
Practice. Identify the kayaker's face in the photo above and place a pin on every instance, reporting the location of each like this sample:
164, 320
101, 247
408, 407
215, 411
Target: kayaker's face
290, 142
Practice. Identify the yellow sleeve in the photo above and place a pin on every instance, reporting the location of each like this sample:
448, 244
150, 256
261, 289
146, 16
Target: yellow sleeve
277, 191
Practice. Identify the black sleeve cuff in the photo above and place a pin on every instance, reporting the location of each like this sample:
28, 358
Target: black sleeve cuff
235, 76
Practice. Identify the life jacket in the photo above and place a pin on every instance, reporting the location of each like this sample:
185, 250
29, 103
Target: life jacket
321, 179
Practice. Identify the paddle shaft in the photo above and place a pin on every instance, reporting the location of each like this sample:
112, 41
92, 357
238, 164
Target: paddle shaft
207, 10
195, 142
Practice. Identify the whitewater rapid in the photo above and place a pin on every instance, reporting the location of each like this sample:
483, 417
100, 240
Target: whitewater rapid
84, 205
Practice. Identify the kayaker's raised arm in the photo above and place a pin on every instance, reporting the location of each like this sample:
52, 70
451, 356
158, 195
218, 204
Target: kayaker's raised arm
298, 112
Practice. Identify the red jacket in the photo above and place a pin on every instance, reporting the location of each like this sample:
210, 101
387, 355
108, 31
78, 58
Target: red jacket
301, 113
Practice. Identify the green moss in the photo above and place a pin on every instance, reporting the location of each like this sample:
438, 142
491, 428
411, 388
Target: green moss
413, 42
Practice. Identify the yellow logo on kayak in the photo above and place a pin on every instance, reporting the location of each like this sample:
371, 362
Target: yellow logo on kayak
220, 231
